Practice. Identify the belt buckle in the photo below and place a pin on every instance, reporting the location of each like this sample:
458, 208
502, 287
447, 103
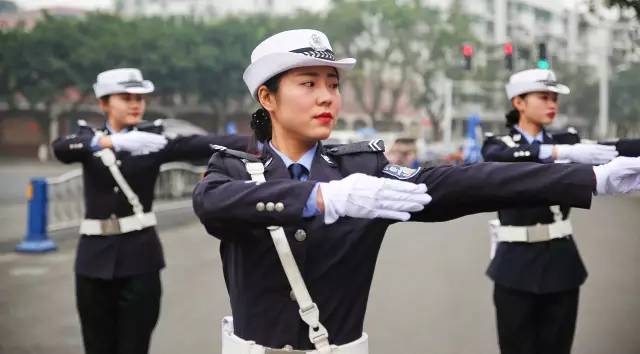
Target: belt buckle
110, 226
538, 233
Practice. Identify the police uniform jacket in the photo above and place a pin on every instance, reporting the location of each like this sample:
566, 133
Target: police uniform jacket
135, 252
337, 260
541, 267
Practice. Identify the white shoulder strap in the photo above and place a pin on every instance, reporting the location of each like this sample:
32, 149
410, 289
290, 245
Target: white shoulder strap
109, 160
508, 140
309, 312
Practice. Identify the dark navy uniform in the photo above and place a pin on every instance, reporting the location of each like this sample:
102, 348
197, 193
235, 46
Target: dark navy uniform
337, 261
536, 284
126, 264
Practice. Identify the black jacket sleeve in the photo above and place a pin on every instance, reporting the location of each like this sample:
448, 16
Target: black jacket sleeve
227, 196
626, 147
462, 190
74, 147
196, 147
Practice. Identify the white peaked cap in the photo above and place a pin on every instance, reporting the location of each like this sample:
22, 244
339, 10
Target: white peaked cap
534, 80
288, 50
125, 80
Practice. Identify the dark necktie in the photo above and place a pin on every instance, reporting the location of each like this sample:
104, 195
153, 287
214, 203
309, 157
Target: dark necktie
297, 171
536, 142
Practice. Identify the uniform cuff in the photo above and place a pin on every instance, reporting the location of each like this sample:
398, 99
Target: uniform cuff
95, 146
545, 152
311, 207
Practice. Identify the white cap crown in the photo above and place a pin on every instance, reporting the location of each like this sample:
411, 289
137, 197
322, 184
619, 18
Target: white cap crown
288, 50
534, 80
123, 80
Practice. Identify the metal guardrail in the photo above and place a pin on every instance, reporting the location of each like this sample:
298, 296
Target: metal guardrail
66, 193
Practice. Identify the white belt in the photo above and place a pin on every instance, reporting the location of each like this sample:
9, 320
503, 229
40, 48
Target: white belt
117, 226
232, 344
531, 234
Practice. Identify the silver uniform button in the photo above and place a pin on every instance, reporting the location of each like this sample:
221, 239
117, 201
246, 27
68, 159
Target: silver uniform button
300, 235
292, 295
270, 206
279, 206
116, 189
260, 206
118, 162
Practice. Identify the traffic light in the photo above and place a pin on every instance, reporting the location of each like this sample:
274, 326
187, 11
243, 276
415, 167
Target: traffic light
467, 52
508, 55
543, 62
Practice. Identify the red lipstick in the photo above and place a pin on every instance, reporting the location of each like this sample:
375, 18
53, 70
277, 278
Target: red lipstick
324, 117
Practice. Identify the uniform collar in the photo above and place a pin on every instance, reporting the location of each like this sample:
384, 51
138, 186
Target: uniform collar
108, 129
530, 138
306, 160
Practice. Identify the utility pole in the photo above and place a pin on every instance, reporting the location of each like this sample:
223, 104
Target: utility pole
447, 116
603, 75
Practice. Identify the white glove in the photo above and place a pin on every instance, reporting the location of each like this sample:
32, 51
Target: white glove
362, 196
592, 154
621, 175
137, 142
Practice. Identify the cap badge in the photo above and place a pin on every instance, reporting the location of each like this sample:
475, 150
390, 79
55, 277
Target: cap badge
316, 43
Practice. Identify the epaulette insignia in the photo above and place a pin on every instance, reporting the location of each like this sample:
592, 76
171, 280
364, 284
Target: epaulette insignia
376, 145
508, 140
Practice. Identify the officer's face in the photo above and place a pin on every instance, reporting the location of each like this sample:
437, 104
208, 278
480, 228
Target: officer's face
124, 109
307, 103
539, 108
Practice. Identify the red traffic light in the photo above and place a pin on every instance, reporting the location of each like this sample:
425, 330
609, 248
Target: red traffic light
508, 49
467, 50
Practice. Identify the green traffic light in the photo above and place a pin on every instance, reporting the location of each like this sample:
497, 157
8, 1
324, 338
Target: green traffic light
543, 64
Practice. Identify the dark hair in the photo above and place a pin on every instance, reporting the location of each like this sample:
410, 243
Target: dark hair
513, 116
260, 119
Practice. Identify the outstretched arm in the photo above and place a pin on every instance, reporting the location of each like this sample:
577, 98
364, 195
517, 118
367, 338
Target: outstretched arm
197, 147
74, 147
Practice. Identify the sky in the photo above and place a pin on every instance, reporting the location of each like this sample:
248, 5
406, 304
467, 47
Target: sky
85, 4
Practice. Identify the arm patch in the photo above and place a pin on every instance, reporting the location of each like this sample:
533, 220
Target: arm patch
400, 172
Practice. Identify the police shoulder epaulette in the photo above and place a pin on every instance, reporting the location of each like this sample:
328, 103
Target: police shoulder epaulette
376, 145
569, 136
82, 125
235, 153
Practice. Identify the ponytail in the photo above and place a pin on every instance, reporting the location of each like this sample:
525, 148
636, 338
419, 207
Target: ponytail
513, 117
260, 119
261, 125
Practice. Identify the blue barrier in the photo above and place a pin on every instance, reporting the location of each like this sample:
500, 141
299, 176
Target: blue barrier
37, 240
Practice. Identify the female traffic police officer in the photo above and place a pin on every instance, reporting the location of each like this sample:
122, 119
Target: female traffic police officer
326, 208
536, 268
119, 254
